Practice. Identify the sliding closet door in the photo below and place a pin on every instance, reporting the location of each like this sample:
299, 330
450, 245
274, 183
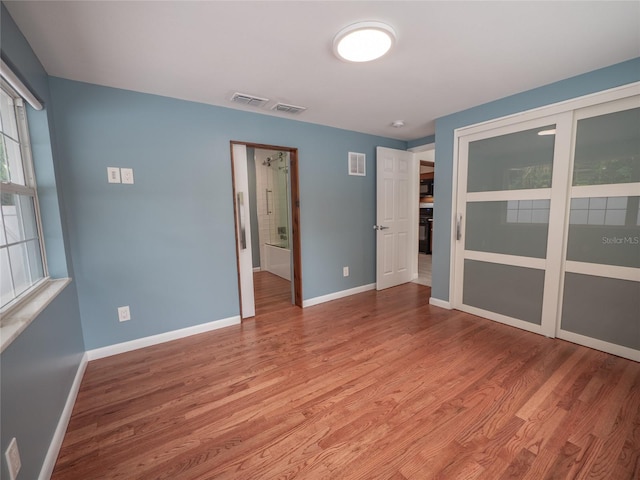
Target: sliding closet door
507, 269
601, 285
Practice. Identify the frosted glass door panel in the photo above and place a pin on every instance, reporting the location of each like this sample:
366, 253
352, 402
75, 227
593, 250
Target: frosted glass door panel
601, 295
608, 149
512, 291
516, 161
605, 230
607, 309
514, 227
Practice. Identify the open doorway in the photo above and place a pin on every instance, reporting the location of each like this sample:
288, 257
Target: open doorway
266, 203
270, 194
426, 160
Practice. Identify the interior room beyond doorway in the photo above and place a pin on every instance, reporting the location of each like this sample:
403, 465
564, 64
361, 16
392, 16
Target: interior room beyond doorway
270, 196
425, 227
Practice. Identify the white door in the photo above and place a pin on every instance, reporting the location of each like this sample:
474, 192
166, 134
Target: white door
396, 217
548, 225
243, 230
600, 296
507, 258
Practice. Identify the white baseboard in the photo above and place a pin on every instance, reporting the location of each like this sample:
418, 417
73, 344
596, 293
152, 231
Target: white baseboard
334, 296
619, 350
63, 422
436, 302
160, 338
256, 269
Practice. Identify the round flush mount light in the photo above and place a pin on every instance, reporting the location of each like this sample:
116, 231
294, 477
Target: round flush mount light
397, 123
364, 41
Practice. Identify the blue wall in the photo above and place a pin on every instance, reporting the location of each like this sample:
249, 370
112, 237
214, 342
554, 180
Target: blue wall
165, 246
603, 79
38, 368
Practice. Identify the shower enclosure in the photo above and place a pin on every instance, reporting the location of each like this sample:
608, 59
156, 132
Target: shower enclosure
273, 195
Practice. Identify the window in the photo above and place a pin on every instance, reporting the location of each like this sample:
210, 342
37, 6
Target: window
22, 260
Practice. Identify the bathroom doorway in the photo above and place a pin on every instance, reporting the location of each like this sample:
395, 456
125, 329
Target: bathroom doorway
266, 203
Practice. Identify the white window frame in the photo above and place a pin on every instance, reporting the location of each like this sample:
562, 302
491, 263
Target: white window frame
29, 189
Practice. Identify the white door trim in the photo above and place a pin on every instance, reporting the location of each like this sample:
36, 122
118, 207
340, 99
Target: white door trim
566, 115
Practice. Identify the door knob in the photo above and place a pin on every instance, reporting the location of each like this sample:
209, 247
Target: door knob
380, 227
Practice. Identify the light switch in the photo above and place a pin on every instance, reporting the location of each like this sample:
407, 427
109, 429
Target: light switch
127, 175
113, 174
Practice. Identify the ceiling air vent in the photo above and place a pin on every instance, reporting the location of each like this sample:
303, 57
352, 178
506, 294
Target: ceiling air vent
251, 100
284, 108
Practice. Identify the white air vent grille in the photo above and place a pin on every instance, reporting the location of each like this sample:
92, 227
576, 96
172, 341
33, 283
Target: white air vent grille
251, 100
284, 108
357, 162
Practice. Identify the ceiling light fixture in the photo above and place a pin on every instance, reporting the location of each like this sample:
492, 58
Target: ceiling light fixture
397, 124
364, 41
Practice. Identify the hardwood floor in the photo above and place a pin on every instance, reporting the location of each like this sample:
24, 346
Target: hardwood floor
271, 292
424, 270
379, 385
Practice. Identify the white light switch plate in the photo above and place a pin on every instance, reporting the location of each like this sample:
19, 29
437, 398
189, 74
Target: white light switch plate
127, 175
113, 174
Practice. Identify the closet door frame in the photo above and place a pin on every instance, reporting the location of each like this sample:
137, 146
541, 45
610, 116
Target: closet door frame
561, 187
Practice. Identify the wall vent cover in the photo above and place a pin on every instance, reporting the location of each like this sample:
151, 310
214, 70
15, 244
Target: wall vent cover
357, 162
251, 100
285, 108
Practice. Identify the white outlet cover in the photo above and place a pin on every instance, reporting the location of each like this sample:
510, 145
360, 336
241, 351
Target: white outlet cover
113, 174
124, 314
127, 175
12, 455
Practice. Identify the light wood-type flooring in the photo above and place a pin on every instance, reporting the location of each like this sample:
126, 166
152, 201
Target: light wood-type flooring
271, 292
379, 385
424, 269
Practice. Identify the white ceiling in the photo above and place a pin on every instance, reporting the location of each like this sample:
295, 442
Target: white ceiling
449, 56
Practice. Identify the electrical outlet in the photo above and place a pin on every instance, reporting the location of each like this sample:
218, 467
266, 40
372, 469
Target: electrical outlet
124, 313
345, 271
12, 455
127, 175
113, 174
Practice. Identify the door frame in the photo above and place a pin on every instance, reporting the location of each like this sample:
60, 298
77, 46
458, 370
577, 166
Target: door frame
566, 108
295, 216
